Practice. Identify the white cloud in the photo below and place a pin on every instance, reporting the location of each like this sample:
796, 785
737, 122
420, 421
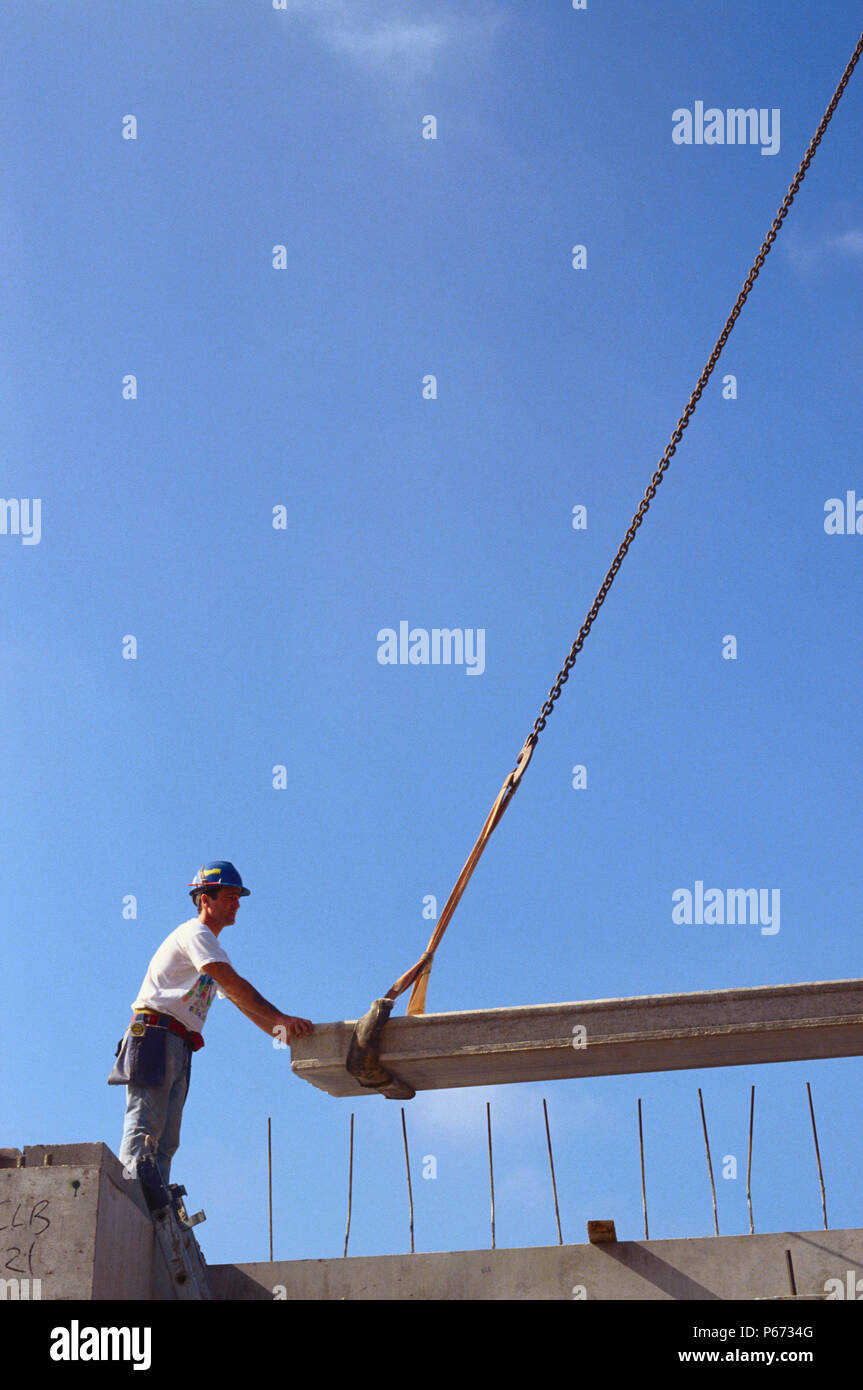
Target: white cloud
460, 1115
850, 242
811, 254
389, 38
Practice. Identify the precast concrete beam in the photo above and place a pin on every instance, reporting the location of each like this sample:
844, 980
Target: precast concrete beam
599, 1037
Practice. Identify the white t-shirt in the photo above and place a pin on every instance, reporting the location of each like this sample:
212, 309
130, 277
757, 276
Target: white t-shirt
176, 982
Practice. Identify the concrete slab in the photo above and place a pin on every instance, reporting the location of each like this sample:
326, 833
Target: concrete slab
702, 1269
600, 1037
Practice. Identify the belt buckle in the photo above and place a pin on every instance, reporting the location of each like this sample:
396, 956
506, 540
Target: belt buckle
138, 1029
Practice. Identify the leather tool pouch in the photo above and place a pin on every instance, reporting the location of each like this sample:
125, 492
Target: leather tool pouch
140, 1059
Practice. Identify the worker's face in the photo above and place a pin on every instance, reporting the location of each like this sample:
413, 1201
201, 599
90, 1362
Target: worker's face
222, 909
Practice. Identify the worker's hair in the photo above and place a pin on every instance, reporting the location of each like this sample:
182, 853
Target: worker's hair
197, 894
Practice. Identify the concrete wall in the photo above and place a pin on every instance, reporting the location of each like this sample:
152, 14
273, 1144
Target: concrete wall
723, 1267
69, 1219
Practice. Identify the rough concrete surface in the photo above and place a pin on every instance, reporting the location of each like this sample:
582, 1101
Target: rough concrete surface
704, 1269
600, 1037
69, 1219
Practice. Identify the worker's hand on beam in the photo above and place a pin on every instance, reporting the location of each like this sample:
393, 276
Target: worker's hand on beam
295, 1027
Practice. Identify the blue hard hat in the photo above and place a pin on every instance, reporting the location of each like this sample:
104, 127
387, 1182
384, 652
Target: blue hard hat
219, 873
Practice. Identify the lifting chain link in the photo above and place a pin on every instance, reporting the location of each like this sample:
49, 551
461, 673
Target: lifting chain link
677, 435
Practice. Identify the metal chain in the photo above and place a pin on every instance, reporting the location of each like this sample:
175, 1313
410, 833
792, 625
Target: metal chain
419, 973
677, 435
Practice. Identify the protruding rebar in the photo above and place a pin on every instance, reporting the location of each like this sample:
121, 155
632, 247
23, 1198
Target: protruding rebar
490, 1171
818, 1157
551, 1163
749, 1162
270, 1179
408, 1169
709, 1164
350, 1186
643, 1187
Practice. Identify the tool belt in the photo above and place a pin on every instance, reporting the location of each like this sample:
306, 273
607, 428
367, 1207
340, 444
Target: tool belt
192, 1039
141, 1050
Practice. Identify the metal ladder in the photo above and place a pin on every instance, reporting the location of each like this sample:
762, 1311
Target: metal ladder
183, 1257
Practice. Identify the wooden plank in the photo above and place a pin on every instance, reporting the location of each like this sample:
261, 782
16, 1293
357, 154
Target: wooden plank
600, 1037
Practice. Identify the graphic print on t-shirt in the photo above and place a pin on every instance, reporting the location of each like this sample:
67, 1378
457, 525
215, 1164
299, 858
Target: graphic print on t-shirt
200, 996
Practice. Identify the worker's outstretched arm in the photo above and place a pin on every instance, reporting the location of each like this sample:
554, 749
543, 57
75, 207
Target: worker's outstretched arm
253, 1004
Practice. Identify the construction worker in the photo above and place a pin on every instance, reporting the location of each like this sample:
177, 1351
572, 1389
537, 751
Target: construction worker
168, 1015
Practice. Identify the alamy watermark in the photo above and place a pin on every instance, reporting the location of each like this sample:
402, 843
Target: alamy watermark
77, 1343
20, 1290
21, 516
732, 906
734, 126
852, 1287
844, 515
439, 646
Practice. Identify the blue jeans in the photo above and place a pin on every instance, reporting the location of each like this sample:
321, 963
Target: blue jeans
157, 1111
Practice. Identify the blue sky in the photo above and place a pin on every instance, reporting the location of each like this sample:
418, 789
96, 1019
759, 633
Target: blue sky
257, 647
